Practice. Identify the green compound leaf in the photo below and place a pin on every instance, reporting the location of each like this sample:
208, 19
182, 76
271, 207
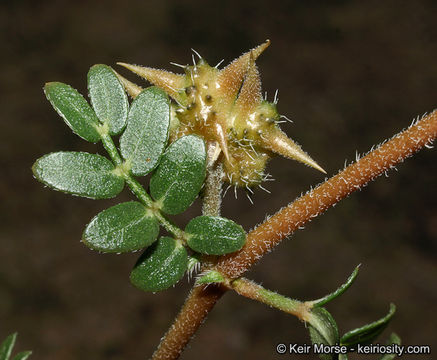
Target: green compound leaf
108, 97
214, 235
124, 227
146, 134
74, 109
367, 333
79, 173
7, 346
323, 329
161, 266
180, 174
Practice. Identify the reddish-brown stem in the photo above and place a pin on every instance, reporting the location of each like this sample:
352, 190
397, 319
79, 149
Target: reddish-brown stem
276, 228
198, 304
270, 233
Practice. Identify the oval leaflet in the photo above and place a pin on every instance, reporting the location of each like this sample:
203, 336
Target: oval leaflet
108, 97
79, 173
180, 174
124, 227
161, 266
146, 134
74, 109
214, 235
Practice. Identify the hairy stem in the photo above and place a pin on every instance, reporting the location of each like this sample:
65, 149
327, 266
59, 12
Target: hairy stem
213, 183
256, 292
199, 303
357, 175
284, 222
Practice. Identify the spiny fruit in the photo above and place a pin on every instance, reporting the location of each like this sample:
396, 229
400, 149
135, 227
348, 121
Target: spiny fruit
226, 106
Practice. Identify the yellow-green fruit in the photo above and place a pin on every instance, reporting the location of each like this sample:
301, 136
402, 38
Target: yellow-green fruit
226, 106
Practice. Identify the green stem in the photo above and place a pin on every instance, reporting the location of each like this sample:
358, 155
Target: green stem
256, 292
138, 189
170, 227
142, 195
110, 147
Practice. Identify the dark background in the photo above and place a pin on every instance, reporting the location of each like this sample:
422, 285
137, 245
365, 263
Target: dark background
349, 73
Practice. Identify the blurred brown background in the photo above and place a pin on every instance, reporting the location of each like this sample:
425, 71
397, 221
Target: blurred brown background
349, 73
